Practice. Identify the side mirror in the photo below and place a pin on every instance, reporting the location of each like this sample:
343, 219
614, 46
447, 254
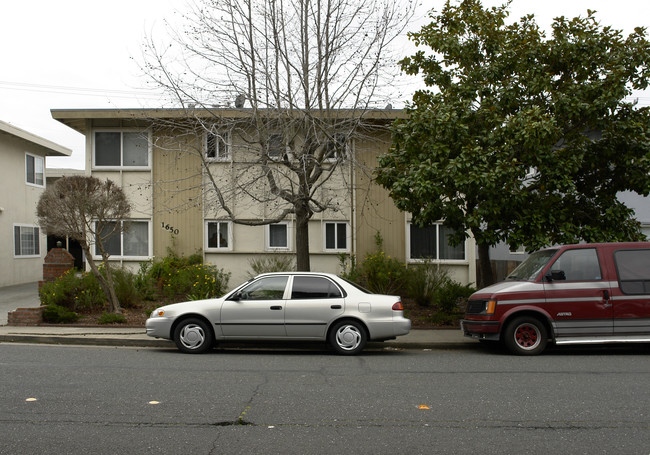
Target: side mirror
236, 297
555, 275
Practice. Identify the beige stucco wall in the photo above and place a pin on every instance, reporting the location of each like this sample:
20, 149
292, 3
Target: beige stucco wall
18, 201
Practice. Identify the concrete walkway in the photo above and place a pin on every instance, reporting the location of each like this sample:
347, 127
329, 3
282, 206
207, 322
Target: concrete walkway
26, 296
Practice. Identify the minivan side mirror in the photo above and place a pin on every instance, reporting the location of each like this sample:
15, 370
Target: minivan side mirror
555, 275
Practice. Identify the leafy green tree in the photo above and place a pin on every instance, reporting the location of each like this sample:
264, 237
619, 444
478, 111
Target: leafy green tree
519, 137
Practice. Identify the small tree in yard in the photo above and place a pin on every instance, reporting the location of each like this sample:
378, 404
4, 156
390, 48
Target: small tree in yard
521, 138
89, 211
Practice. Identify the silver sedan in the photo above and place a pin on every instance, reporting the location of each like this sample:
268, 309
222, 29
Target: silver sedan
284, 306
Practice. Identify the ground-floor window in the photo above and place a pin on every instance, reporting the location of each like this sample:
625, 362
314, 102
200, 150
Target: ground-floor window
336, 236
432, 242
26, 241
132, 241
218, 235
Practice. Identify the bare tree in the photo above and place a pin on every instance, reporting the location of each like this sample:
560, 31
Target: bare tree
89, 211
304, 77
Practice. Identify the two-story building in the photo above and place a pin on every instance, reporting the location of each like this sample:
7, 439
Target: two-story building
22, 181
169, 174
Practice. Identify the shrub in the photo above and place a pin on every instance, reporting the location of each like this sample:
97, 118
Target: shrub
269, 264
111, 318
74, 291
451, 294
57, 314
424, 280
378, 272
124, 282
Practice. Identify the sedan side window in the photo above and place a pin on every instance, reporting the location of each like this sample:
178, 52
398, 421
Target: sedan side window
314, 287
269, 288
579, 265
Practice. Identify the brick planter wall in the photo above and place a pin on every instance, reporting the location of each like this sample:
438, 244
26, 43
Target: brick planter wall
25, 316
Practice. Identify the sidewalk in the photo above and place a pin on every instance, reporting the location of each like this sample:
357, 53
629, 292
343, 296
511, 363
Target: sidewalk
136, 337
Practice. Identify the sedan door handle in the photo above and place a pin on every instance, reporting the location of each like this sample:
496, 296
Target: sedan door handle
278, 307
336, 307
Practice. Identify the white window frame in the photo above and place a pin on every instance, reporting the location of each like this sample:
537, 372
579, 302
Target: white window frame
37, 240
37, 159
121, 166
121, 256
281, 149
437, 259
225, 135
267, 230
206, 240
347, 237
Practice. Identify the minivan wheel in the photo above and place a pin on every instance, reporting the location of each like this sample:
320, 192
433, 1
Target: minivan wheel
348, 337
526, 335
193, 336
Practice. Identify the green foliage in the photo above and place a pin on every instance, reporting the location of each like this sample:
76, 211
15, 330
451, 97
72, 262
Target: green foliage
379, 273
273, 263
74, 291
126, 290
56, 314
424, 281
450, 294
111, 318
521, 138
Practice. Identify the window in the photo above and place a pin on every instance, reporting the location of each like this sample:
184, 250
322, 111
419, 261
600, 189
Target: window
275, 146
579, 265
431, 242
336, 236
132, 242
216, 147
314, 287
269, 288
26, 241
121, 149
34, 169
336, 147
277, 236
218, 235
633, 268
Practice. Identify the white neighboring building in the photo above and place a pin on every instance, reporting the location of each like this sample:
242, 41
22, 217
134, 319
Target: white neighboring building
22, 181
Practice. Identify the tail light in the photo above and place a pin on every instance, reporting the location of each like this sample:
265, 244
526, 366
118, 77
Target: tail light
398, 306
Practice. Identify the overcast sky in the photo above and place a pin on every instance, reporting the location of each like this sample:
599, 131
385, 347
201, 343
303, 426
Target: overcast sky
82, 54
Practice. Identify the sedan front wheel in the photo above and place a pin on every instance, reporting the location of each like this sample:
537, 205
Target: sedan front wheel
193, 336
348, 337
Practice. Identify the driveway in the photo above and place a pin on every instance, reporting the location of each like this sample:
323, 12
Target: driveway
17, 296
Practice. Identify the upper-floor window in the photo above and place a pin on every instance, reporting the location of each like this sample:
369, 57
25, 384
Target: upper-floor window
275, 146
336, 236
128, 149
218, 235
26, 241
131, 241
217, 146
432, 242
34, 169
337, 147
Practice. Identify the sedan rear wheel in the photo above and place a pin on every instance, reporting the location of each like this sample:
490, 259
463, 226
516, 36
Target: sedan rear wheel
193, 336
348, 337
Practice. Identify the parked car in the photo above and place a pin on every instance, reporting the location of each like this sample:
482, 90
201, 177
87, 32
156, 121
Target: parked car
284, 306
572, 294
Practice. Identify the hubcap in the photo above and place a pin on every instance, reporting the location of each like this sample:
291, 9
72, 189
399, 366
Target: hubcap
348, 337
527, 336
192, 336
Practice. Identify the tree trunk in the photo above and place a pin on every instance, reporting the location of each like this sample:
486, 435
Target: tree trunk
107, 286
486, 277
302, 240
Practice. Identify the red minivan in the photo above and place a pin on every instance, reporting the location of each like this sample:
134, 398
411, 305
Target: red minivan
572, 294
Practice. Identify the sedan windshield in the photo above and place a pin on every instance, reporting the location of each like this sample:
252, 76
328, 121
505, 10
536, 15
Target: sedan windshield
530, 268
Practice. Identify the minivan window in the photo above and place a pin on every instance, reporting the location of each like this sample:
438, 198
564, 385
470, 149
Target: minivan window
579, 265
532, 266
633, 268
